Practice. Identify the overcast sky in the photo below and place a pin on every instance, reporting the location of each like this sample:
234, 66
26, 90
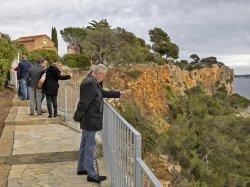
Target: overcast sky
219, 28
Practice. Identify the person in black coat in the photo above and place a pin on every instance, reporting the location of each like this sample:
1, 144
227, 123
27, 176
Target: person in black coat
50, 87
90, 106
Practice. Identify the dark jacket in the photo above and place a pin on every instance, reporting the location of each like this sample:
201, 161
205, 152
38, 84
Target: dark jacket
34, 74
23, 68
91, 103
50, 86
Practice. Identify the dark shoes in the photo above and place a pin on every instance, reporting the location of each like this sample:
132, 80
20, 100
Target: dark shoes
50, 115
82, 173
96, 179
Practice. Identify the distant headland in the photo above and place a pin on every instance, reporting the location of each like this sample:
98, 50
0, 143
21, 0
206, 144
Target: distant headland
242, 76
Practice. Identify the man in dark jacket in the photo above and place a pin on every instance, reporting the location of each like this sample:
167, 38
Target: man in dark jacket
34, 75
91, 104
22, 72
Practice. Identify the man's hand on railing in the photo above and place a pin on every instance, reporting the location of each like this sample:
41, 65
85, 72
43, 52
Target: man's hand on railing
125, 92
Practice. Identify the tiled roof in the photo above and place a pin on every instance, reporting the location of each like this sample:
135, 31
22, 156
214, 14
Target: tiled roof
31, 37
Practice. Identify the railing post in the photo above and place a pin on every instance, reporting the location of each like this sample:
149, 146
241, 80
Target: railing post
137, 144
65, 100
113, 127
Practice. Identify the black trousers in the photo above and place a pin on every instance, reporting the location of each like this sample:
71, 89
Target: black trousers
51, 99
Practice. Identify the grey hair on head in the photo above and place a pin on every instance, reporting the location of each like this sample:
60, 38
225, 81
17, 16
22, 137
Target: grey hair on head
24, 57
99, 67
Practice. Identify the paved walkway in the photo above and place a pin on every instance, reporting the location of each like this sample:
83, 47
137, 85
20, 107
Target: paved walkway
39, 151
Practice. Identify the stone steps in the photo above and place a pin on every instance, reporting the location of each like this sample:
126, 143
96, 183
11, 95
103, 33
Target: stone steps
40, 158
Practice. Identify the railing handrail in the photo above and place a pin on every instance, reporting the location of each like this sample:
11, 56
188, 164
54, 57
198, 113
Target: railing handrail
120, 154
149, 172
123, 120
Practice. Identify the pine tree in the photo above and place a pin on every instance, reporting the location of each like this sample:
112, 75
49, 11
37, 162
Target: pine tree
54, 37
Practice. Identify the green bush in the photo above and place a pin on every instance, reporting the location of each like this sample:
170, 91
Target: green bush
160, 60
7, 54
237, 100
76, 60
183, 65
49, 55
4, 68
134, 73
150, 138
194, 67
194, 91
208, 140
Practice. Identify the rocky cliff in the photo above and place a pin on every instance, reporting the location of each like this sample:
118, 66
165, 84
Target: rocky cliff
149, 83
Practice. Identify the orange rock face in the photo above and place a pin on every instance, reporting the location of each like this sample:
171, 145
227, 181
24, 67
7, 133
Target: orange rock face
149, 86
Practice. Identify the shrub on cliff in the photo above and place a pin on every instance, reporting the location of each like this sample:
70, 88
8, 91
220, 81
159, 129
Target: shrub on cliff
238, 101
134, 73
209, 141
7, 54
76, 60
50, 55
150, 138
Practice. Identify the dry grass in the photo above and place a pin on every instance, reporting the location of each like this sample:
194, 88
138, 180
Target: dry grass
6, 96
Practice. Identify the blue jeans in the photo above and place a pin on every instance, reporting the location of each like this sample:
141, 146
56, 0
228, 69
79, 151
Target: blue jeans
86, 153
24, 93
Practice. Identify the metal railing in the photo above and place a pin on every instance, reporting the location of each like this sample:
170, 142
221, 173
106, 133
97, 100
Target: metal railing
121, 142
122, 151
68, 97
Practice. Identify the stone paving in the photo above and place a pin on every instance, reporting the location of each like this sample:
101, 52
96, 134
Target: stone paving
48, 174
39, 151
23, 113
31, 139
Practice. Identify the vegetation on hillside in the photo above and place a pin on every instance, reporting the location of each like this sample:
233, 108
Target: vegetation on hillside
116, 46
8, 51
208, 140
50, 55
76, 60
197, 63
150, 137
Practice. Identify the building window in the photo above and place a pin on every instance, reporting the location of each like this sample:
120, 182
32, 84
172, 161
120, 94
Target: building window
44, 41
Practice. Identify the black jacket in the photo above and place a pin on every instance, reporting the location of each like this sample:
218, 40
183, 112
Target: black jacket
91, 102
50, 86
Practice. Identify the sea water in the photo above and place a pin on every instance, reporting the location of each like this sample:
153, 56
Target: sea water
242, 87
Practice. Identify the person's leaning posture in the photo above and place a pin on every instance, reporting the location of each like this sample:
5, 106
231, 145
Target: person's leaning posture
50, 87
34, 74
91, 103
22, 72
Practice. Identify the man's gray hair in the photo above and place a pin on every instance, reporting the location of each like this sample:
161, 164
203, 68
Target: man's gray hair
24, 57
99, 67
